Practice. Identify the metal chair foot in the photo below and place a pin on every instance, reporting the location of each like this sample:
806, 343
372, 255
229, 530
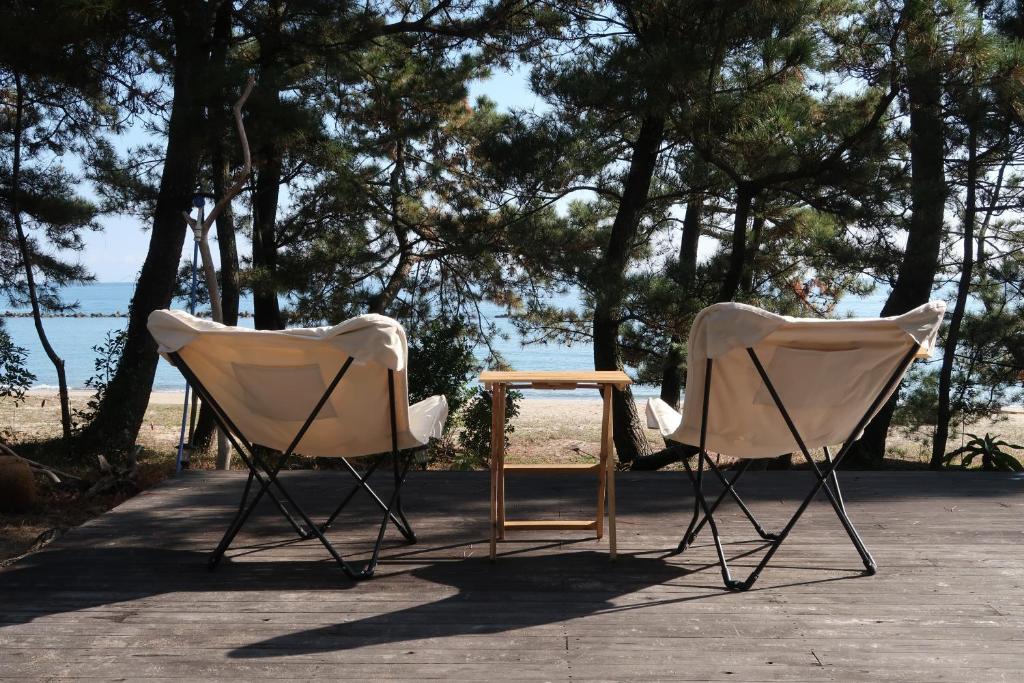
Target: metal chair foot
687, 541
738, 586
365, 573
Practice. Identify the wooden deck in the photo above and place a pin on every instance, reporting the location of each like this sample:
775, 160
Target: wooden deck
129, 596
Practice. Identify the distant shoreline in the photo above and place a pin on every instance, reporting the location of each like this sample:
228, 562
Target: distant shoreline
163, 397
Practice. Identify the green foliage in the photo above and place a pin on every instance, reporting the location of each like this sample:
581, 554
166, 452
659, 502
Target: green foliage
992, 451
15, 378
107, 355
441, 361
475, 438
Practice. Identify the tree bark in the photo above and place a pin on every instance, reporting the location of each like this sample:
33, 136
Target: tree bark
123, 407
267, 190
920, 263
749, 270
672, 371
738, 254
26, 261
628, 432
963, 291
221, 173
382, 300
220, 165
266, 310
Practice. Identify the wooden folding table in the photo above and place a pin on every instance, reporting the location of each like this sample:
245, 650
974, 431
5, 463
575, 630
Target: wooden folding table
498, 383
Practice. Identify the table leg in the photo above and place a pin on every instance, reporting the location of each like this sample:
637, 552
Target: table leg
602, 470
500, 422
494, 472
608, 448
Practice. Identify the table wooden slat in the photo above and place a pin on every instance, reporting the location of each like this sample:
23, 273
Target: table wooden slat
550, 377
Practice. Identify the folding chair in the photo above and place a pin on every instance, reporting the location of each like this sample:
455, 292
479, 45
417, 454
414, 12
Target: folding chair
773, 384
326, 392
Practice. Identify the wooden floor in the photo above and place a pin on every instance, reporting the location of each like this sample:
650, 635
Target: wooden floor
129, 596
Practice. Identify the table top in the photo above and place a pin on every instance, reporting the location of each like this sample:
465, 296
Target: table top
566, 379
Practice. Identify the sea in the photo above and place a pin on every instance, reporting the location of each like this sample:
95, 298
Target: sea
102, 308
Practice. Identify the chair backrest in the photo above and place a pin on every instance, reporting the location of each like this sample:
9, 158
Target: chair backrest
827, 374
268, 382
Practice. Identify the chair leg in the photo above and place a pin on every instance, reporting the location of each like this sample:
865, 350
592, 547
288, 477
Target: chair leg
690, 533
245, 510
830, 481
727, 579
695, 527
397, 516
729, 488
404, 528
370, 567
835, 480
302, 533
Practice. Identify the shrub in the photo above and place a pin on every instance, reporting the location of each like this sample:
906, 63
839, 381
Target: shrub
994, 454
475, 438
441, 361
107, 355
15, 378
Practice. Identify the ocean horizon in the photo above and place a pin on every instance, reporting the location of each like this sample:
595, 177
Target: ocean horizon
102, 308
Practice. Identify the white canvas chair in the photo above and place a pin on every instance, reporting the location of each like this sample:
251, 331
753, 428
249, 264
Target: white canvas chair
761, 385
337, 392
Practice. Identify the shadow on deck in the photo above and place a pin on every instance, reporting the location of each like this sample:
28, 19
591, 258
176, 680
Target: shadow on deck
129, 595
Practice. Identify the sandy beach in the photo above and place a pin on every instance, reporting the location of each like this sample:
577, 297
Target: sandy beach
547, 429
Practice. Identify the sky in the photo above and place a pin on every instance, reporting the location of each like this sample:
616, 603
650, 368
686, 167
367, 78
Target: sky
116, 253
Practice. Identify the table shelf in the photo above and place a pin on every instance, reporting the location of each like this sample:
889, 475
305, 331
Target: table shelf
542, 468
550, 524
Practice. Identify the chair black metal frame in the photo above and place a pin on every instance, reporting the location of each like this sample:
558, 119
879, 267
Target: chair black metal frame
825, 479
264, 467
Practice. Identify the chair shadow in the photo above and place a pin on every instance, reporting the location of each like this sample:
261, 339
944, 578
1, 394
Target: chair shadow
513, 593
520, 590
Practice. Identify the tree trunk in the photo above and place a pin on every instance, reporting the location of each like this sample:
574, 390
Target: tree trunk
123, 407
749, 269
220, 166
920, 263
672, 371
738, 254
382, 300
26, 262
628, 431
266, 309
269, 160
963, 291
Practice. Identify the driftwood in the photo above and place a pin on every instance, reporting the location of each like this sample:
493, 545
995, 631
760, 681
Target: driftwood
114, 478
52, 473
201, 229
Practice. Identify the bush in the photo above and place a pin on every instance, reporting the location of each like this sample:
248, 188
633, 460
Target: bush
475, 438
994, 453
441, 361
107, 356
15, 378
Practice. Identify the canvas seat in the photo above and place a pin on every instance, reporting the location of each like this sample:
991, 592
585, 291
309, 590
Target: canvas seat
761, 385
336, 392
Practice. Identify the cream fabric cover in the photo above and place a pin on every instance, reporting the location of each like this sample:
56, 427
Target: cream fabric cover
827, 373
268, 382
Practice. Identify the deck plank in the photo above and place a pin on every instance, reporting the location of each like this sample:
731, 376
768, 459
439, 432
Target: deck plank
128, 594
